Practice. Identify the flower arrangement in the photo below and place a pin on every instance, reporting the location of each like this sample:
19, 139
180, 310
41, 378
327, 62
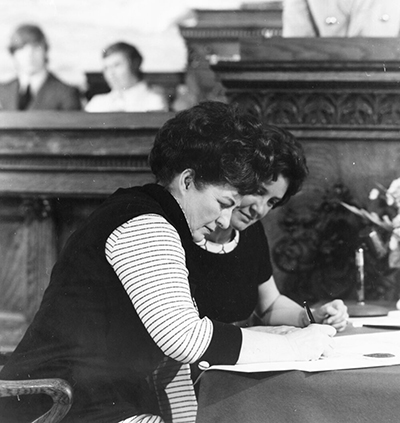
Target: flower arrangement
382, 233
384, 213
391, 219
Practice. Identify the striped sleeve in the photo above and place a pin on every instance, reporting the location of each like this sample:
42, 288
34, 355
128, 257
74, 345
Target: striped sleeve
147, 255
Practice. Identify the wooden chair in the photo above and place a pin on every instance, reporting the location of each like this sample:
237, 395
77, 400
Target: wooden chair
58, 389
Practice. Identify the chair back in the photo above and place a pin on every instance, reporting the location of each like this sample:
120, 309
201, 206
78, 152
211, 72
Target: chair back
59, 390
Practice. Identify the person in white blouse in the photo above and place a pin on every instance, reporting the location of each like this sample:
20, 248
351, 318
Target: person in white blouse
129, 92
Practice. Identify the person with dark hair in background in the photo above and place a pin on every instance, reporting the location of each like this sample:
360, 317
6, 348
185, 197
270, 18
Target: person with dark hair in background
35, 87
119, 309
231, 269
129, 92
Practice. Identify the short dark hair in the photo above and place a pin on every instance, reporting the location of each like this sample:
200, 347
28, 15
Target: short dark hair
27, 34
221, 146
131, 53
288, 159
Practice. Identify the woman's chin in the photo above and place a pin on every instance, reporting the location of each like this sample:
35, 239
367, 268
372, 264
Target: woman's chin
241, 226
198, 237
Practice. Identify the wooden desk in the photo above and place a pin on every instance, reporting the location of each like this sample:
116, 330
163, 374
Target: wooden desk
55, 168
356, 396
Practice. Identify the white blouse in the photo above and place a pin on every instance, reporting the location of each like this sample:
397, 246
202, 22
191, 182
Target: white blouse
139, 98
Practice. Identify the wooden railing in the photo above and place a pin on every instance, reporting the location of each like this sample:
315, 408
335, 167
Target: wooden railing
54, 169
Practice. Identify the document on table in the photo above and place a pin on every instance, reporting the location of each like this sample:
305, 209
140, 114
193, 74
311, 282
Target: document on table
392, 320
351, 352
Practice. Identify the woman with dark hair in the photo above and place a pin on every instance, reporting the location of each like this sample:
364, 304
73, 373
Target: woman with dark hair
231, 269
118, 320
129, 92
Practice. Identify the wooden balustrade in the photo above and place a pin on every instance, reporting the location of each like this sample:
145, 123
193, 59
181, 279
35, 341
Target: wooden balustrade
55, 168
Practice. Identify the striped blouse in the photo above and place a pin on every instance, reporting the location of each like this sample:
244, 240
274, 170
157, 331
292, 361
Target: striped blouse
147, 255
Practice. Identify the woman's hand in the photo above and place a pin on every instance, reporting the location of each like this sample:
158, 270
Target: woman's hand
333, 313
298, 344
277, 330
312, 342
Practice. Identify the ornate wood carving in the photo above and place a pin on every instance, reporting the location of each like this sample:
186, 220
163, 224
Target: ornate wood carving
327, 108
317, 247
341, 98
316, 81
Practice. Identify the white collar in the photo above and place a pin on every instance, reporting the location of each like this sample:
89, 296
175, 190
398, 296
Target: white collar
35, 81
140, 85
214, 247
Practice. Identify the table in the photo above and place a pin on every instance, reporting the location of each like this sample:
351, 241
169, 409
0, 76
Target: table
369, 395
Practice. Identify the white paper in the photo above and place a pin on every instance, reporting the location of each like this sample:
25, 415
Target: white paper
391, 320
350, 353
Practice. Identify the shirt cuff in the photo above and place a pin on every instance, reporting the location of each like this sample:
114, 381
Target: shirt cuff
225, 344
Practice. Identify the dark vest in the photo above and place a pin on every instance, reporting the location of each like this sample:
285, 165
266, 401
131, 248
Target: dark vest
87, 330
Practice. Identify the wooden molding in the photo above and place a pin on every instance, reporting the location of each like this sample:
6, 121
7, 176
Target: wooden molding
320, 82
75, 153
55, 167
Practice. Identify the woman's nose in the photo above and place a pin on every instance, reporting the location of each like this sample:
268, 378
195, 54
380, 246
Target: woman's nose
261, 207
224, 219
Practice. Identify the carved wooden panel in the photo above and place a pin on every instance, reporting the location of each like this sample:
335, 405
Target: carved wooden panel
324, 108
341, 98
28, 253
355, 160
55, 168
13, 248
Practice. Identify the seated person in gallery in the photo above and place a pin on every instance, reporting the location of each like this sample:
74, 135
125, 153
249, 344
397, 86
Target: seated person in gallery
231, 266
341, 18
35, 87
118, 320
129, 92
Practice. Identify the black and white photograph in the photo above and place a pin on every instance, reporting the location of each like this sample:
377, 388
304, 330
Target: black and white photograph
199, 211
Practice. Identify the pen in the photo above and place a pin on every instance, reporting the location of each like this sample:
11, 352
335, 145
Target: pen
308, 311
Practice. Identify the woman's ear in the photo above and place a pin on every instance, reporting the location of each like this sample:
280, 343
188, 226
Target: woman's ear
181, 184
187, 179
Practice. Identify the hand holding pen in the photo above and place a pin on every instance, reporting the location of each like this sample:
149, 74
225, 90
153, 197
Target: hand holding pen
311, 342
333, 313
309, 312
